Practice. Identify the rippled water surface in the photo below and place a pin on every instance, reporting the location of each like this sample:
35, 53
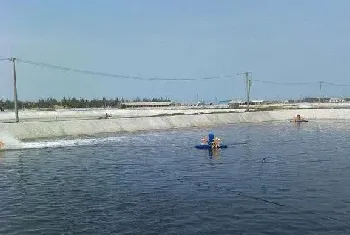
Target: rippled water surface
277, 178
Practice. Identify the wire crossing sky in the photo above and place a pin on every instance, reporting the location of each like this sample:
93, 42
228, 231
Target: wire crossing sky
94, 73
101, 74
288, 46
83, 71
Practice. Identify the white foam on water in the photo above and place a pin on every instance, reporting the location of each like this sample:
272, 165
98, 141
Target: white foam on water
9, 142
70, 143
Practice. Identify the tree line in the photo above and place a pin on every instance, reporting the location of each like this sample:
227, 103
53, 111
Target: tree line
72, 102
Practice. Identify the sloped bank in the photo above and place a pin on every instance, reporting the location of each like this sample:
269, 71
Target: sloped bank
37, 129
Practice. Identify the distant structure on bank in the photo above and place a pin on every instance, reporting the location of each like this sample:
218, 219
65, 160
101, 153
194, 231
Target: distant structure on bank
322, 100
236, 103
147, 104
52, 104
336, 100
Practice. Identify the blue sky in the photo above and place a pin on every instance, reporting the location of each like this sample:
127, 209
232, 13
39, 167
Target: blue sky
280, 40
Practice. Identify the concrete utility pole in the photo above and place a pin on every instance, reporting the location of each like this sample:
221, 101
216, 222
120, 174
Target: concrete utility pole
15, 88
248, 86
319, 96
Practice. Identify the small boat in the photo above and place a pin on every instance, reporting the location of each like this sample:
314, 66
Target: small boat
298, 121
298, 118
211, 142
208, 146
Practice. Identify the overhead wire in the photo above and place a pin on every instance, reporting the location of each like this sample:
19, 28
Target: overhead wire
95, 73
335, 84
4, 58
89, 72
284, 83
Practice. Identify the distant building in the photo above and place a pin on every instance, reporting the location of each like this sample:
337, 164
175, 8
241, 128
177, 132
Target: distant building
147, 104
237, 103
336, 100
256, 102
315, 100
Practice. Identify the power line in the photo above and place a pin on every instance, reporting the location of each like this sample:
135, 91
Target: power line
301, 83
89, 72
285, 83
5, 59
95, 73
334, 84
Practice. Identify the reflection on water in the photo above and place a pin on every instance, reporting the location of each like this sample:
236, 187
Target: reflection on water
272, 179
297, 125
214, 153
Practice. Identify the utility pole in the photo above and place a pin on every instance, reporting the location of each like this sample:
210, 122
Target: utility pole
248, 86
320, 93
15, 88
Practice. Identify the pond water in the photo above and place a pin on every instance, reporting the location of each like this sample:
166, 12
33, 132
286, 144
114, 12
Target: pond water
274, 178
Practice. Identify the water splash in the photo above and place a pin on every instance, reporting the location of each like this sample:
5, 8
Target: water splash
120, 140
70, 143
144, 139
9, 142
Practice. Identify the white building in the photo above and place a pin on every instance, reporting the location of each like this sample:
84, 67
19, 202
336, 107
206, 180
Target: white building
257, 102
336, 100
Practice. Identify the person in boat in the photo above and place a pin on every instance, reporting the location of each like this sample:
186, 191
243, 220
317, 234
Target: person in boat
211, 140
1, 144
298, 118
216, 143
106, 116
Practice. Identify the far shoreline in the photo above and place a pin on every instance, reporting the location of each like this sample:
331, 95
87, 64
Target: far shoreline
155, 120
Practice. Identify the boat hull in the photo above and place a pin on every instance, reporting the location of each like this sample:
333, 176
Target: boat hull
207, 146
